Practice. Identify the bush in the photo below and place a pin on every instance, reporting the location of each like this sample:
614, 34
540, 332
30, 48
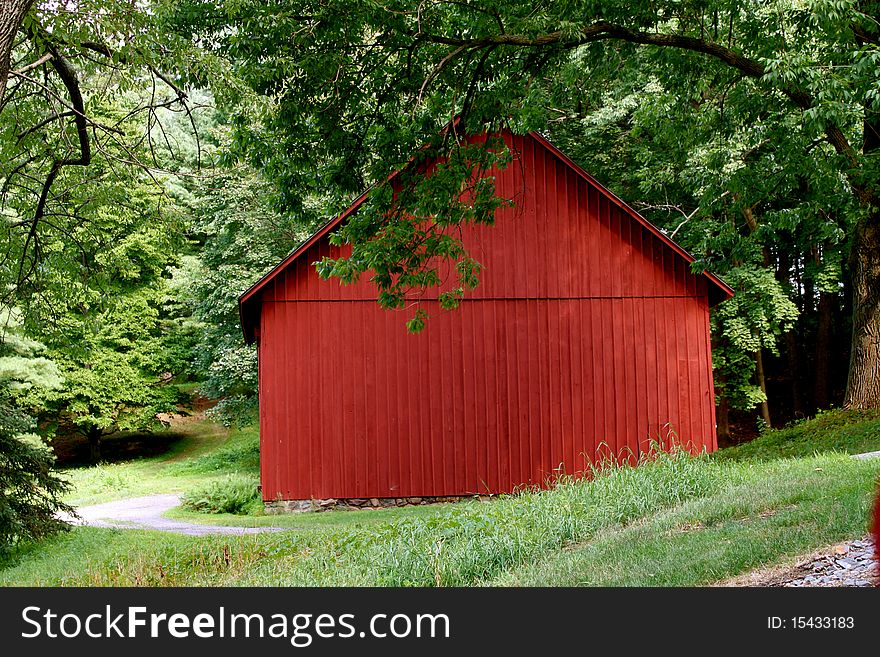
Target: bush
232, 494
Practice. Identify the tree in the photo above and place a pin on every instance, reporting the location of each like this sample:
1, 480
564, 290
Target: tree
63, 67
702, 166
31, 492
238, 239
85, 149
355, 88
106, 323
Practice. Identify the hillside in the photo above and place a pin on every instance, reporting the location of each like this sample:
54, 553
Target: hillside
676, 520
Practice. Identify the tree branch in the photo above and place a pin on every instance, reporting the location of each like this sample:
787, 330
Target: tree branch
29, 67
68, 76
60, 115
603, 30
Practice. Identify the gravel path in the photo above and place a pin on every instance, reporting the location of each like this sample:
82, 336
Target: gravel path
848, 564
146, 513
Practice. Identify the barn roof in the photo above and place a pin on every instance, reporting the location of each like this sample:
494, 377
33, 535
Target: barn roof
249, 300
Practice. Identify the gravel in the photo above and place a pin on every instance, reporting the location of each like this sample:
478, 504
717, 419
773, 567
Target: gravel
847, 564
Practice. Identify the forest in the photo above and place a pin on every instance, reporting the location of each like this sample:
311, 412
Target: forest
157, 157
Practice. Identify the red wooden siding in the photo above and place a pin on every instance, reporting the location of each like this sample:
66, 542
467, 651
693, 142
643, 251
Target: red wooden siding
482, 401
564, 238
588, 335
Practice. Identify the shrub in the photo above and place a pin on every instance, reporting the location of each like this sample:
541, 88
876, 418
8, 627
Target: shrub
232, 494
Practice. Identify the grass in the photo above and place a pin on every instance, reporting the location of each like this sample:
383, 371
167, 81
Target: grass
778, 510
455, 545
675, 521
849, 432
202, 452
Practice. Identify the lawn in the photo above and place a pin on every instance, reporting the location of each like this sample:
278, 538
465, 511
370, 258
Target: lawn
848, 432
199, 452
675, 520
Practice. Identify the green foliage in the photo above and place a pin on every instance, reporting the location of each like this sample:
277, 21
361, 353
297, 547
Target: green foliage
743, 184
235, 494
78, 148
751, 161
30, 491
24, 369
401, 237
758, 313
238, 239
131, 271
110, 331
89, 261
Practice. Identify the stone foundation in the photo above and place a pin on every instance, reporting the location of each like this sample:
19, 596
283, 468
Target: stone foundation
357, 504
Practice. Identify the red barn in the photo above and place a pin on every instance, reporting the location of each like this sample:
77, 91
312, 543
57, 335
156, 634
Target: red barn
587, 336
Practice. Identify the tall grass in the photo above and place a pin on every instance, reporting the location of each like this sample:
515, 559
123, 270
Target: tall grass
476, 540
781, 510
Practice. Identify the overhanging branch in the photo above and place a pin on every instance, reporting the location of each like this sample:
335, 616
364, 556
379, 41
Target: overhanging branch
603, 30
68, 77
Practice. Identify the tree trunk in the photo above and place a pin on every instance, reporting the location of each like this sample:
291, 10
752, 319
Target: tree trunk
790, 338
792, 354
762, 383
12, 12
863, 382
94, 437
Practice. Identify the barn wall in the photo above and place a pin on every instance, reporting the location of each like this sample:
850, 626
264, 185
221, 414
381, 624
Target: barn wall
498, 394
587, 336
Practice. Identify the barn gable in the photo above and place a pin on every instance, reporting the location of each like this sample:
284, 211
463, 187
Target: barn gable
590, 244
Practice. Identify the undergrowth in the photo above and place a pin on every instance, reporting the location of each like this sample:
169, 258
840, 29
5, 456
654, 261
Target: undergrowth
236, 494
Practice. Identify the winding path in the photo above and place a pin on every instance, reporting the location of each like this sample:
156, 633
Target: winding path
146, 513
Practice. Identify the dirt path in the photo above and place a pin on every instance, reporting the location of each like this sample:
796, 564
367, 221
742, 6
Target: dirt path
146, 513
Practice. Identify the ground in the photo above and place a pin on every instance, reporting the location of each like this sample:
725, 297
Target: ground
148, 512
746, 515
851, 563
